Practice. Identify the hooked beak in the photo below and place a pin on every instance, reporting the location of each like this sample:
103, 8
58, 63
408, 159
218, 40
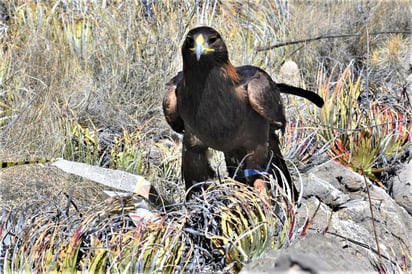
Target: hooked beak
201, 47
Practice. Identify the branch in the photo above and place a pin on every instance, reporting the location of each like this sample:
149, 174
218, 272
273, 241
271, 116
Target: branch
320, 37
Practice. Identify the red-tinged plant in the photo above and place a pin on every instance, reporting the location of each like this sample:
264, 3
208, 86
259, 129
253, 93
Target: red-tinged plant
367, 136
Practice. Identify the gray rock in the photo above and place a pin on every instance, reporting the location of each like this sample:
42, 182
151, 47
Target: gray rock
289, 74
315, 186
341, 235
338, 176
329, 181
402, 188
315, 253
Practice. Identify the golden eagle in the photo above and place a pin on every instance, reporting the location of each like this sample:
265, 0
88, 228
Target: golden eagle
236, 110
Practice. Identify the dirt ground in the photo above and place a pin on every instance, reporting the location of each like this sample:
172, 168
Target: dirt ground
25, 185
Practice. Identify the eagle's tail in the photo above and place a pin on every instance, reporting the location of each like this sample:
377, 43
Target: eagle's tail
279, 164
310, 95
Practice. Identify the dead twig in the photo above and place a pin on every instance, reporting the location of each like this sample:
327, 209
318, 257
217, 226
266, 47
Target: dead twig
321, 37
375, 233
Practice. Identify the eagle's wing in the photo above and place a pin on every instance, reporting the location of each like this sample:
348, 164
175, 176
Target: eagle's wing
170, 108
263, 95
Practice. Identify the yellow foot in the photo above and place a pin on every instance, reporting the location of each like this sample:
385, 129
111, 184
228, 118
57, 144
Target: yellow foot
260, 186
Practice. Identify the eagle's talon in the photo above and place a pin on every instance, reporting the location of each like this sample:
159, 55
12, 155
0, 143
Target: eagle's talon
260, 186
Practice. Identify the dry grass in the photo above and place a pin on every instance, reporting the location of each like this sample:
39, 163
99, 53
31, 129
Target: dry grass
346, 17
104, 66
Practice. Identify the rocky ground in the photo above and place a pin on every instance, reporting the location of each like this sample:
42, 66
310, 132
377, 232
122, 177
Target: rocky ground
341, 234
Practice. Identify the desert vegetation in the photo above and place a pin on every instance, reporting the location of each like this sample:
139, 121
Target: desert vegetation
84, 80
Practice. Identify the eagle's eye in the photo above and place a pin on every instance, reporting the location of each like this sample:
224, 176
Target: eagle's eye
190, 42
212, 39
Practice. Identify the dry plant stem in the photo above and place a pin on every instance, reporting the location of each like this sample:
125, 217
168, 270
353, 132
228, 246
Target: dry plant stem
24, 108
329, 222
320, 37
367, 14
367, 47
364, 245
309, 221
373, 222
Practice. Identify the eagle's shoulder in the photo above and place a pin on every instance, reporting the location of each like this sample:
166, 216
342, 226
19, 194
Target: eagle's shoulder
261, 80
249, 72
170, 108
263, 94
175, 80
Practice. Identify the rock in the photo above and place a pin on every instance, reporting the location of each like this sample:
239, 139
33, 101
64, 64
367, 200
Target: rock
340, 177
289, 74
315, 186
315, 253
352, 184
402, 188
341, 233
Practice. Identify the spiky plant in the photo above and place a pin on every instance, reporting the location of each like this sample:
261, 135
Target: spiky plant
81, 142
127, 152
369, 135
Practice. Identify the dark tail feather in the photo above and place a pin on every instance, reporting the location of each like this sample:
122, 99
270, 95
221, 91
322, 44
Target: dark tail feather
310, 95
278, 161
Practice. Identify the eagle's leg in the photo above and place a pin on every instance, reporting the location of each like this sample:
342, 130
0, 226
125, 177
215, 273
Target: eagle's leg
240, 161
234, 165
195, 162
251, 168
240, 164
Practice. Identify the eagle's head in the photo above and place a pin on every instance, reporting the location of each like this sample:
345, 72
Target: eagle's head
204, 45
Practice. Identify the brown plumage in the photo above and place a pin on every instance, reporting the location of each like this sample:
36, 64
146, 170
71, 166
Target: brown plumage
232, 109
